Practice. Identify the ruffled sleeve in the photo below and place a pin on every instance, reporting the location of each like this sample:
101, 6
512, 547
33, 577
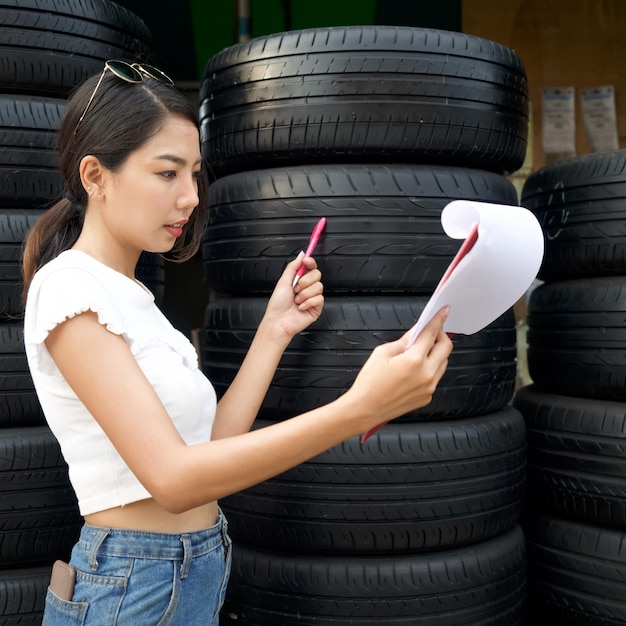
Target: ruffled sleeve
57, 295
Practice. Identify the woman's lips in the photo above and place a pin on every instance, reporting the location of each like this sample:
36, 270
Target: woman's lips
176, 230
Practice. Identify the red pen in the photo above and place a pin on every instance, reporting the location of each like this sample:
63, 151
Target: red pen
315, 236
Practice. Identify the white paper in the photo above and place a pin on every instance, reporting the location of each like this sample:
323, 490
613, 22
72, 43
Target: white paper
598, 107
494, 274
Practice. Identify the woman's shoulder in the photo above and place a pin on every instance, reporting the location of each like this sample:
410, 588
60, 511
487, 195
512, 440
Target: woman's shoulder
74, 270
70, 266
64, 287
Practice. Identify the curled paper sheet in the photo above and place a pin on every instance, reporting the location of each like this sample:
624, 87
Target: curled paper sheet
487, 277
495, 266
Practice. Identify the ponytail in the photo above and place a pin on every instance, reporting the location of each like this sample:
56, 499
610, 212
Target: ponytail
55, 231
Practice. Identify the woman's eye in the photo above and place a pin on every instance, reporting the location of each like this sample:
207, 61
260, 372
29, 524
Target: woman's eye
197, 175
169, 174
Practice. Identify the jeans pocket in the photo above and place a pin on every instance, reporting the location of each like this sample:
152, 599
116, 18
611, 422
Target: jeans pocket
104, 594
63, 612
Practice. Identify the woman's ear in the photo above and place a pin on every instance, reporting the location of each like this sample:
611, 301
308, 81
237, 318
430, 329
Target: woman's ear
92, 175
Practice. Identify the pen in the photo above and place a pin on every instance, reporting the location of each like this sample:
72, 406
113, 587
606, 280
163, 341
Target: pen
315, 236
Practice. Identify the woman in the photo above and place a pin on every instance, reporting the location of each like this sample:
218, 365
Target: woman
148, 449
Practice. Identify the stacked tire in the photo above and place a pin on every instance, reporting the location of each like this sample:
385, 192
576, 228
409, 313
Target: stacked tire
376, 129
576, 407
47, 48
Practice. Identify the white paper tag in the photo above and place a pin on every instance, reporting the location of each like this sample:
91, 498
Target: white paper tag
558, 121
598, 107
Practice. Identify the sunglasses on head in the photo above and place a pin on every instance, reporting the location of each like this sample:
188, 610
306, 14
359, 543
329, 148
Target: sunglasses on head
129, 73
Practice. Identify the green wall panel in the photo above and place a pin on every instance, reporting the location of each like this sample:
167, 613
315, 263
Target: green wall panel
215, 28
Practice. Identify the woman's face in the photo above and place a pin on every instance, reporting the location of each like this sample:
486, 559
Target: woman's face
149, 200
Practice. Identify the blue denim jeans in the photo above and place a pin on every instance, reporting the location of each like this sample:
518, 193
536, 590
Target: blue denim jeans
135, 578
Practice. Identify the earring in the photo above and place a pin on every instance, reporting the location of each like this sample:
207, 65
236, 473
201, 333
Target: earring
90, 191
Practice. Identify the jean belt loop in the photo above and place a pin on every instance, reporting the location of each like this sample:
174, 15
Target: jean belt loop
101, 535
224, 530
187, 555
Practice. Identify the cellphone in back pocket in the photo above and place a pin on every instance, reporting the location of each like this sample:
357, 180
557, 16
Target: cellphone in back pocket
62, 580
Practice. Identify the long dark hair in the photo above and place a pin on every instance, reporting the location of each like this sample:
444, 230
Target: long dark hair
120, 119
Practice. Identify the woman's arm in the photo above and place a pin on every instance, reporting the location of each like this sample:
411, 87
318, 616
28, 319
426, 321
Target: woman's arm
289, 311
108, 380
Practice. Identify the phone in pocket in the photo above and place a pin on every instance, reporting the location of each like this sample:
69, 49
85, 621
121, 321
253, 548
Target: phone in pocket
62, 580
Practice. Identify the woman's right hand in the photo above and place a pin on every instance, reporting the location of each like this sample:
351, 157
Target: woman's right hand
396, 380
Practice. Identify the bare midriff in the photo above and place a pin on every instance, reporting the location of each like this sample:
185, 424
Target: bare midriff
149, 516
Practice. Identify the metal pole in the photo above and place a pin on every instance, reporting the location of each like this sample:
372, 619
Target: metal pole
245, 19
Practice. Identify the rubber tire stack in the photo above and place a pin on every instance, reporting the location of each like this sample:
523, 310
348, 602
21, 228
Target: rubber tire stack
377, 129
47, 47
576, 407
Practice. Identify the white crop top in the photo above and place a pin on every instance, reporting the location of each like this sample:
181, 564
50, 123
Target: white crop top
73, 283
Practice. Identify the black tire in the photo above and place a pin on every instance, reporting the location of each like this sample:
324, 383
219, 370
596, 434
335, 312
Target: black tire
365, 93
322, 362
48, 47
580, 205
576, 573
577, 337
413, 488
151, 272
19, 405
14, 224
576, 464
28, 161
39, 514
482, 585
23, 595
383, 233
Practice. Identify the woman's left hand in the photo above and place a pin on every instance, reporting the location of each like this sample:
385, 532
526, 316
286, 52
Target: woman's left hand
292, 309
